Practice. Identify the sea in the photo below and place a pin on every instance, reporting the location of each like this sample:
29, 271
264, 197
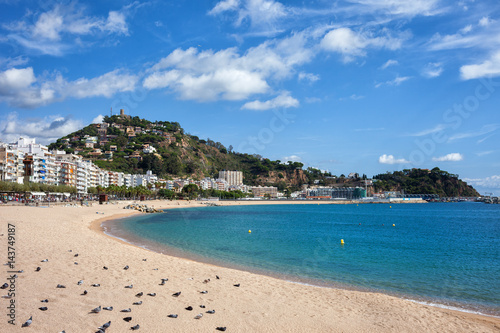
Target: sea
442, 254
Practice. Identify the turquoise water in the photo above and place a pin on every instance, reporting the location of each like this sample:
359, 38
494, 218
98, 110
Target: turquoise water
445, 253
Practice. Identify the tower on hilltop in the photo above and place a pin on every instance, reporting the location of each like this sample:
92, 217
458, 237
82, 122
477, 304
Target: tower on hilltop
123, 115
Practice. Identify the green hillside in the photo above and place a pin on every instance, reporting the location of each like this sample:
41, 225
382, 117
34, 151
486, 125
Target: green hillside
179, 154
422, 181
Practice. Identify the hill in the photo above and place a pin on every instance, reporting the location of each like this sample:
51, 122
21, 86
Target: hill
134, 145
423, 181
175, 153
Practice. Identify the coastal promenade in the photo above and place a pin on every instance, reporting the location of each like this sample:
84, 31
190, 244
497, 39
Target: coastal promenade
69, 246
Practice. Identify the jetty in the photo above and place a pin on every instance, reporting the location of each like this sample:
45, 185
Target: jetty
142, 208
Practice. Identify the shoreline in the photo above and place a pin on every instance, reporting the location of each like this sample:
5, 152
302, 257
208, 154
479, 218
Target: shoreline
261, 303
182, 254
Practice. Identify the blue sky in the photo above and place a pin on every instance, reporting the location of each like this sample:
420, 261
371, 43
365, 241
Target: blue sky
363, 86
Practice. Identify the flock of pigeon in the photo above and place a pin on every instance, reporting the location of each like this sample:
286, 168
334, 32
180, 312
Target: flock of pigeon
105, 326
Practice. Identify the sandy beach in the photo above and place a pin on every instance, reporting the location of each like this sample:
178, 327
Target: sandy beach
76, 248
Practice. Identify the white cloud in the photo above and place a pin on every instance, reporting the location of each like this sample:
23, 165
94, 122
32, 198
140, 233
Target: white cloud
466, 29
453, 157
488, 68
353, 44
390, 159
388, 63
353, 97
262, 15
486, 129
13, 62
485, 21
46, 129
226, 74
223, 6
98, 119
432, 69
483, 153
55, 31
16, 79
21, 88
398, 80
291, 158
395, 82
346, 42
282, 101
308, 76
435, 129
402, 7
483, 35
49, 25
116, 23
105, 85
487, 182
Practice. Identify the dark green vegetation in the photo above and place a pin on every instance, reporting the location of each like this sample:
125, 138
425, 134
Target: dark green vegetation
421, 181
190, 191
35, 187
179, 154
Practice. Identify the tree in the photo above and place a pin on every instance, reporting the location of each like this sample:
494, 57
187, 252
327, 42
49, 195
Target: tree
191, 190
168, 194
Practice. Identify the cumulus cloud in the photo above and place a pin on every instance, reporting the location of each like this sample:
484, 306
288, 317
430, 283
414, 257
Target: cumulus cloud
105, 85
98, 119
488, 68
20, 87
390, 159
54, 31
46, 129
227, 74
453, 157
206, 76
282, 101
351, 44
291, 158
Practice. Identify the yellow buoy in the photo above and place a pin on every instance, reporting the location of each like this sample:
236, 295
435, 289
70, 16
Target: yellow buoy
390, 206
393, 225
249, 231
342, 241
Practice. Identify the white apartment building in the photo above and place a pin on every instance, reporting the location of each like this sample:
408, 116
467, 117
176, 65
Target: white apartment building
11, 164
220, 184
232, 177
44, 167
60, 168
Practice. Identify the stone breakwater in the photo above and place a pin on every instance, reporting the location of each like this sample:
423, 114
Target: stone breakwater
143, 208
